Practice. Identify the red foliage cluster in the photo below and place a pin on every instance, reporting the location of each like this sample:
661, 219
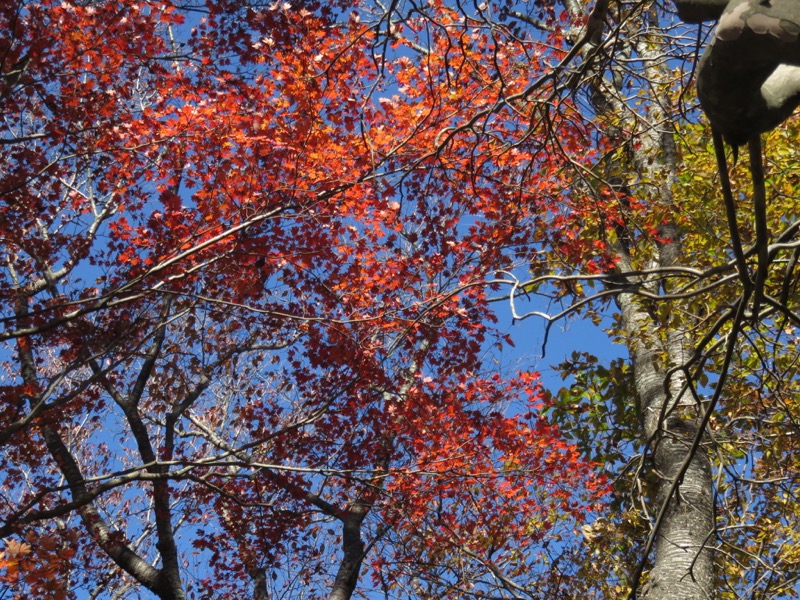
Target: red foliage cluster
245, 262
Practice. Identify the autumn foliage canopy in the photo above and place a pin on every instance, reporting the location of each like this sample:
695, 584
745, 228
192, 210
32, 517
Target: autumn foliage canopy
248, 256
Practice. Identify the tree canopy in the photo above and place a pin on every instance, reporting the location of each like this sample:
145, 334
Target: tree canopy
260, 261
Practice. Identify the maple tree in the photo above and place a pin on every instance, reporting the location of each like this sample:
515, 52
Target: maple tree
246, 311
255, 257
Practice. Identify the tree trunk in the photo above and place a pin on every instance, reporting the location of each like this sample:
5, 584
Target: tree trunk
353, 550
684, 565
259, 577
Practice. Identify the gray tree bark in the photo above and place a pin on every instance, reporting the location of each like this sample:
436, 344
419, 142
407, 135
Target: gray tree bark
684, 564
683, 511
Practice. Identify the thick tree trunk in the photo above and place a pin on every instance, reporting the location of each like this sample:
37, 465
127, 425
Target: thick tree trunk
259, 577
684, 564
684, 567
353, 550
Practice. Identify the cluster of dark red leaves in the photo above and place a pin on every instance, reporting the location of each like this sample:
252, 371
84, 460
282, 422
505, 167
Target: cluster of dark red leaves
264, 232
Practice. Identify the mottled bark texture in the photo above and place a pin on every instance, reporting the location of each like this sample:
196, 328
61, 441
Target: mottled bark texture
684, 565
748, 79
